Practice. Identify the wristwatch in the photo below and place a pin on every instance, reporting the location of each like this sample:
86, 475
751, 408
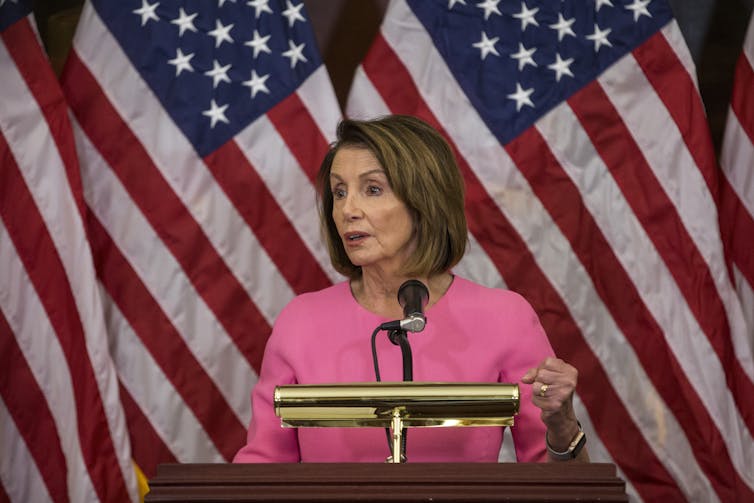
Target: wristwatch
574, 447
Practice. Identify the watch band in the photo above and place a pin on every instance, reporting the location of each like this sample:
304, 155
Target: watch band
573, 448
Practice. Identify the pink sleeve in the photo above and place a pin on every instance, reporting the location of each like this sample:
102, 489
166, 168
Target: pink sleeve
267, 441
532, 347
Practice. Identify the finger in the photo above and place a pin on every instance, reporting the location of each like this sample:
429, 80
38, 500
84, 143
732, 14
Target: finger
529, 377
554, 364
568, 376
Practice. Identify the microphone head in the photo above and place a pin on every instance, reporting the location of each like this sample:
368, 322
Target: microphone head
413, 296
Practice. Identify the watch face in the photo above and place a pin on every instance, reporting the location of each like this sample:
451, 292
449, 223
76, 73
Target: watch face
577, 444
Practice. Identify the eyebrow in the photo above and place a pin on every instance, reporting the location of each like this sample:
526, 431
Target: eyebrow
363, 175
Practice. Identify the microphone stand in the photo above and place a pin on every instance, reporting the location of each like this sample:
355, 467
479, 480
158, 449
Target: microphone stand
399, 338
413, 295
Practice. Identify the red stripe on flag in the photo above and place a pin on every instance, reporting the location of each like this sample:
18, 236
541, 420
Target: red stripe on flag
664, 227
147, 447
37, 251
742, 99
736, 223
177, 229
260, 211
673, 85
290, 117
563, 201
164, 343
27, 405
737, 229
4, 498
509, 252
24, 48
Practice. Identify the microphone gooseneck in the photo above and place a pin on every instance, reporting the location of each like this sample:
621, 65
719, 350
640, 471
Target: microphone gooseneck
413, 297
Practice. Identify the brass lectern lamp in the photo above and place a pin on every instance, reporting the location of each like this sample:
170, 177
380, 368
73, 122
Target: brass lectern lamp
396, 406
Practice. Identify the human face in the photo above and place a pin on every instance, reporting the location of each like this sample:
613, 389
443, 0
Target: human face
375, 226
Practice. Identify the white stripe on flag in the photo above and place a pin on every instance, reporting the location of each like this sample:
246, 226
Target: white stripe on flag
41, 349
164, 278
170, 417
317, 95
267, 152
674, 37
648, 272
675, 169
737, 158
364, 101
29, 138
18, 470
746, 294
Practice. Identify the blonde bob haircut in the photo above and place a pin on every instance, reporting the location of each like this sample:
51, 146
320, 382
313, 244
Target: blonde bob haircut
422, 172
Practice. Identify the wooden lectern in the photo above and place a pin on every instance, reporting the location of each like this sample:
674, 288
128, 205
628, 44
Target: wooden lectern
395, 406
372, 482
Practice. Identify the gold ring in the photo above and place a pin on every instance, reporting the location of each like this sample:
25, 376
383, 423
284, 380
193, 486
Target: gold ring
543, 390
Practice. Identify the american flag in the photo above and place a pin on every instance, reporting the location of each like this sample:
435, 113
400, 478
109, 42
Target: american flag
63, 432
737, 194
200, 126
591, 189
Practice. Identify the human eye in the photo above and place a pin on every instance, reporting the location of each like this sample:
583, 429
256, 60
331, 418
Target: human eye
374, 190
338, 192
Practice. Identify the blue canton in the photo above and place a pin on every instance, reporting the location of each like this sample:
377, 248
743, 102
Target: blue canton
216, 65
516, 60
13, 10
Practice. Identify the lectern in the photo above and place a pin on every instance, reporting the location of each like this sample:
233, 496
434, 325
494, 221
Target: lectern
392, 405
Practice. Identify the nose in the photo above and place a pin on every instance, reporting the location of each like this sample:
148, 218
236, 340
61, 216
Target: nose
351, 206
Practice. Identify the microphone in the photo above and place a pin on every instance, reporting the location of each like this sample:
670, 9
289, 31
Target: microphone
413, 296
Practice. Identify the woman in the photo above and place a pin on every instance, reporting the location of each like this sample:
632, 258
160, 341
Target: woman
392, 208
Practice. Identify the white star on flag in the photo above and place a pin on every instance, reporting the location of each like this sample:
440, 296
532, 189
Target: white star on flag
451, 3
600, 37
639, 8
182, 62
295, 53
184, 22
600, 3
260, 6
147, 12
258, 43
293, 13
221, 33
218, 73
561, 67
527, 16
490, 7
216, 113
524, 56
563, 26
487, 46
521, 97
257, 83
